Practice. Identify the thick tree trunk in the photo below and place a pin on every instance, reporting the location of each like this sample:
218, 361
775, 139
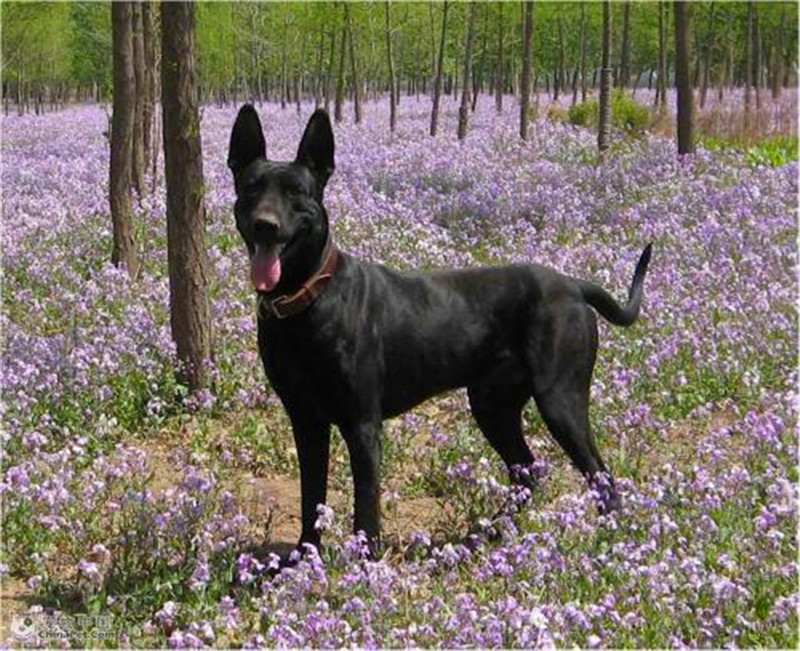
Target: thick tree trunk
140, 95
498, 71
437, 84
463, 110
604, 126
527, 59
683, 79
625, 63
124, 251
353, 64
186, 248
390, 62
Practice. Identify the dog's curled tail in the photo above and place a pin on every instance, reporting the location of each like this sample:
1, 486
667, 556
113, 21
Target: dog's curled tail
605, 304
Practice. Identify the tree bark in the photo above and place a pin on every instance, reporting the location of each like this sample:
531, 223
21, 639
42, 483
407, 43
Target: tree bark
392, 84
140, 95
584, 22
708, 45
558, 77
683, 78
777, 59
662, 55
527, 61
748, 72
186, 251
339, 99
463, 111
757, 55
329, 73
123, 252
625, 64
478, 79
150, 81
437, 84
498, 71
353, 64
604, 126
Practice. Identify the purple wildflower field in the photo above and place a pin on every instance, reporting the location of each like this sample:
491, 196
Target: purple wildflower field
125, 497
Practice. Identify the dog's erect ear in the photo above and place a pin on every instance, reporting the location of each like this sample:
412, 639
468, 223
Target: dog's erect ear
247, 139
316, 147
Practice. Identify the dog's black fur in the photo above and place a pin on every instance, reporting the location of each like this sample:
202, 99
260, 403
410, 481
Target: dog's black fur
378, 342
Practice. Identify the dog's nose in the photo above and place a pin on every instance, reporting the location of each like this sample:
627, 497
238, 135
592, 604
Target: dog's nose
265, 225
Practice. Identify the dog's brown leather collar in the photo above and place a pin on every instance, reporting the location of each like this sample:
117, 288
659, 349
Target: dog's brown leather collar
283, 307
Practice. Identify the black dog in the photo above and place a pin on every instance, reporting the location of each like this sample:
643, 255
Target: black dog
350, 343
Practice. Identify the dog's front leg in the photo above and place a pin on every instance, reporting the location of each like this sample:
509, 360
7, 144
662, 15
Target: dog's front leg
312, 439
364, 445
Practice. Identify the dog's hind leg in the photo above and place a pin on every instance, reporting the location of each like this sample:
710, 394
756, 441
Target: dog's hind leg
498, 411
561, 370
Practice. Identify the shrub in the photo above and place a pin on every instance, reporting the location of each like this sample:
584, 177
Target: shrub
626, 114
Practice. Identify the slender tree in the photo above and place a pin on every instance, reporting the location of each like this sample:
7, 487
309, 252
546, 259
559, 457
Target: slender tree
353, 64
183, 162
683, 79
140, 95
662, 55
748, 66
148, 34
584, 49
390, 63
708, 45
339, 99
625, 64
525, 85
498, 70
756, 54
463, 110
437, 84
478, 78
604, 126
124, 251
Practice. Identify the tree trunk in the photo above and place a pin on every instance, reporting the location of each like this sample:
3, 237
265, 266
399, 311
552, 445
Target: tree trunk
625, 63
353, 64
392, 84
329, 73
709, 43
183, 161
140, 95
777, 59
498, 71
558, 78
463, 111
662, 55
437, 84
124, 251
149, 81
683, 79
284, 77
584, 22
339, 99
604, 126
757, 55
527, 57
748, 67
478, 79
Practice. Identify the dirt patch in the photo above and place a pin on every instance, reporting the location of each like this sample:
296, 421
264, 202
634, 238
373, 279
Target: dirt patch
15, 599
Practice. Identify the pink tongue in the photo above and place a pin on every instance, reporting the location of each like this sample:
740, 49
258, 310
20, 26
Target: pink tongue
265, 268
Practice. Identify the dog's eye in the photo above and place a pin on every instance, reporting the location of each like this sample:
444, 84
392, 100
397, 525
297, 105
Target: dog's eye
252, 186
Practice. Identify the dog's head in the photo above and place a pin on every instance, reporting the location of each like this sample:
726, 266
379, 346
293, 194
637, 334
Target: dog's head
279, 211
